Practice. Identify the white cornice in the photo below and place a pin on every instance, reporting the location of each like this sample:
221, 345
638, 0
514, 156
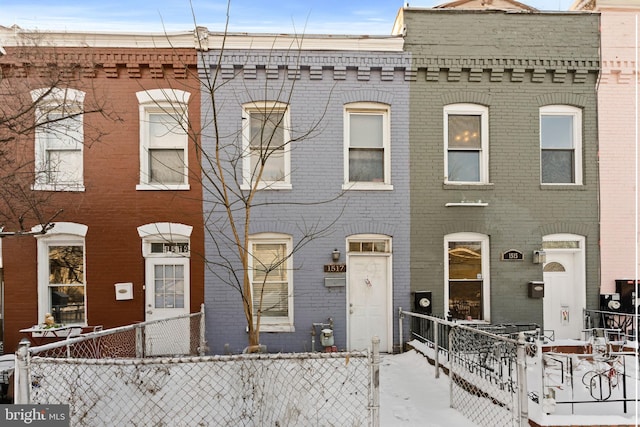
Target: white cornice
598, 5
19, 37
305, 42
205, 40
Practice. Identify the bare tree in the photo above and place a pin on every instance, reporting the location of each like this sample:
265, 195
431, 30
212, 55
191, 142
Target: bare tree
236, 169
37, 85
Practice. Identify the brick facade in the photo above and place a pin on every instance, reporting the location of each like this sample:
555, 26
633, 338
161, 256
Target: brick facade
616, 121
110, 206
512, 63
317, 85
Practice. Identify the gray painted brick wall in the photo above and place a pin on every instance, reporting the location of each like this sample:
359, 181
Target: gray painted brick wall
513, 63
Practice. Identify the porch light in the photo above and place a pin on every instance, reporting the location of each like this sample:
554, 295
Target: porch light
539, 257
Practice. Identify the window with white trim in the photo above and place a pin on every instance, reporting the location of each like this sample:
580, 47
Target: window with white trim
270, 264
467, 276
367, 156
266, 140
62, 274
466, 141
560, 145
59, 139
163, 139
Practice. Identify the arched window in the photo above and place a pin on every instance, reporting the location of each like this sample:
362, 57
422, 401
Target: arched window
61, 273
163, 139
271, 274
467, 276
266, 145
560, 145
59, 139
367, 147
466, 141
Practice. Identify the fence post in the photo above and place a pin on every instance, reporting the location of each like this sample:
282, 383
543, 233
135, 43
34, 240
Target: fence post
375, 382
522, 380
400, 331
202, 349
22, 384
452, 332
436, 346
140, 344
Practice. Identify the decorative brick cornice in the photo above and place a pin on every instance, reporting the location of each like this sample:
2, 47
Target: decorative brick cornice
88, 63
365, 64
519, 69
618, 72
590, 64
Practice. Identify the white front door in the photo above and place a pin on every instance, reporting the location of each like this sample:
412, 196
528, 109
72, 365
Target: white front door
564, 293
167, 296
369, 312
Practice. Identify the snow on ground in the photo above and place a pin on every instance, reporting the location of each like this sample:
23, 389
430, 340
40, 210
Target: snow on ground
410, 395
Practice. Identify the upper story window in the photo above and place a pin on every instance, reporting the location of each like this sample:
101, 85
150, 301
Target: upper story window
62, 274
266, 139
560, 145
270, 264
59, 139
367, 135
163, 139
466, 139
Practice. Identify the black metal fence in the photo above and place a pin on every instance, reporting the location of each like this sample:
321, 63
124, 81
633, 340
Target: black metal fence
485, 363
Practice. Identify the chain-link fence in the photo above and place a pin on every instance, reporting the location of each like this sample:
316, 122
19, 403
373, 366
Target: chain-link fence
485, 363
181, 335
105, 381
485, 377
313, 389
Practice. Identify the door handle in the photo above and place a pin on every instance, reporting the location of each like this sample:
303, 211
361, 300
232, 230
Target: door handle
149, 312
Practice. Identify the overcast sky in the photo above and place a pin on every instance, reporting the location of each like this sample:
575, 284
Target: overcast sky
270, 16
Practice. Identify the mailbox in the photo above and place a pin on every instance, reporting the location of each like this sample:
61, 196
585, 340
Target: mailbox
536, 289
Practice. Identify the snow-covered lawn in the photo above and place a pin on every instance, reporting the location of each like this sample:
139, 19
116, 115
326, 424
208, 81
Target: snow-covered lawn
410, 395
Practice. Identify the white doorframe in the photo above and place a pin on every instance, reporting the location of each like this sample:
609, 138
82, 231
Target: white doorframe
574, 246
166, 250
386, 342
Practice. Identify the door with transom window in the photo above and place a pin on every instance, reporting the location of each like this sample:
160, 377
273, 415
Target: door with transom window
369, 292
167, 296
564, 286
167, 289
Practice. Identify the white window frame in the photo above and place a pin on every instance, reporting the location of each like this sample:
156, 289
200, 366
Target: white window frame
486, 264
62, 234
576, 114
70, 103
471, 110
247, 173
164, 232
158, 101
374, 108
275, 324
